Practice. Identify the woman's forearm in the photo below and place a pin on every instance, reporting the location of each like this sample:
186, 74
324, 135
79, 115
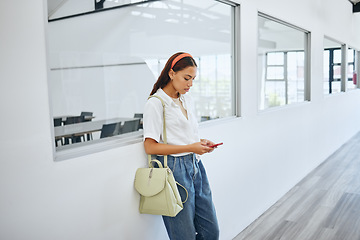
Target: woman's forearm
152, 147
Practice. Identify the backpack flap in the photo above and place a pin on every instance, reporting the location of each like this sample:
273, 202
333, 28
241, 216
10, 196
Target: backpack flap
150, 181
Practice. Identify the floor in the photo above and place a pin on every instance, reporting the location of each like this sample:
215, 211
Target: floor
323, 206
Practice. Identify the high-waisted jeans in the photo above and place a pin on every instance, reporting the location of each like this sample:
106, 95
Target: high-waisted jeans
198, 218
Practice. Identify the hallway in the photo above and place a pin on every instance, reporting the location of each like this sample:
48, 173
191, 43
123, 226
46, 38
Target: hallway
325, 205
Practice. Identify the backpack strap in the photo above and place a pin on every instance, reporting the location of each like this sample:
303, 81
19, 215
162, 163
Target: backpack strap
164, 130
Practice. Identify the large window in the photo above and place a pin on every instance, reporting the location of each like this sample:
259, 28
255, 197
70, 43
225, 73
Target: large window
333, 52
104, 65
282, 53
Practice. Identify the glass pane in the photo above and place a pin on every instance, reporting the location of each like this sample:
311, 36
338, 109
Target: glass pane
276, 58
109, 69
337, 72
281, 58
337, 56
295, 75
275, 73
351, 55
351, 70
351, 84
351, 76
336, 86
275, 93
212, 89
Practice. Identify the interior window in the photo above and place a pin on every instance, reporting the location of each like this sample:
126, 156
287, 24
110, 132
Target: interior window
103, 65
282, 51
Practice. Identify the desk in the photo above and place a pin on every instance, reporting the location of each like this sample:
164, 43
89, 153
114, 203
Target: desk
85, 127
63, 117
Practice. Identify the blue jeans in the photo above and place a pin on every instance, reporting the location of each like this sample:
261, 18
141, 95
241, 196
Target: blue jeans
198, 218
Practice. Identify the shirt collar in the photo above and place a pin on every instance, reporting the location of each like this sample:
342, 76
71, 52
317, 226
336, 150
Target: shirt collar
164, 96
168, 99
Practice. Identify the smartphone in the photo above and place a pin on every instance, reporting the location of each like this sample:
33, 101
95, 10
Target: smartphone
215, 145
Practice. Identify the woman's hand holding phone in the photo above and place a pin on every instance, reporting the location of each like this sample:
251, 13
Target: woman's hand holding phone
215, 145
209, 144
200, 148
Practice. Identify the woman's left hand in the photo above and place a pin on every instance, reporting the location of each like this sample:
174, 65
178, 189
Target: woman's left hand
207, 143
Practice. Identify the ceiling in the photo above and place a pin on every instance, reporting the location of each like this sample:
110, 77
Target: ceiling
54, 5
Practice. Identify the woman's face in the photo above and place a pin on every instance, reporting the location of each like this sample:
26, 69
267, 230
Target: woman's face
182, 80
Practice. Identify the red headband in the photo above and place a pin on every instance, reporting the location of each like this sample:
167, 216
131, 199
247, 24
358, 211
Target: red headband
180, 56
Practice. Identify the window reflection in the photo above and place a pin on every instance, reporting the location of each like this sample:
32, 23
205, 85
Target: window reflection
282, 51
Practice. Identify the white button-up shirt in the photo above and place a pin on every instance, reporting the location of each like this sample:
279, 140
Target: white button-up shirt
179, 129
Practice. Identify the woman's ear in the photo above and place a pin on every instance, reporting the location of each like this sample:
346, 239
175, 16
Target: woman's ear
171, 74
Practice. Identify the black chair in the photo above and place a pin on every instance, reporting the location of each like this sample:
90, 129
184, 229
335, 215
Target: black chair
87, 114
109, 130
141, 116
205, 118
87, 117
73, 120
131, 126
57, 123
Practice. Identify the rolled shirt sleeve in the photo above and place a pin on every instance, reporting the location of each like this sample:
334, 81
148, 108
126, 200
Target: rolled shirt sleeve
153, 119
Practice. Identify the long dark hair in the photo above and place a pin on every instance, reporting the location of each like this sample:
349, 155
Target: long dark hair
164, 78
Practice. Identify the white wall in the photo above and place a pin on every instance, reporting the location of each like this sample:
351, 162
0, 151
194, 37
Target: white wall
92, 197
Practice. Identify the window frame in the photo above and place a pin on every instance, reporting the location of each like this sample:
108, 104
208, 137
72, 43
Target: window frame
331, 66
98, 7
285, 71
343, 47
307, 63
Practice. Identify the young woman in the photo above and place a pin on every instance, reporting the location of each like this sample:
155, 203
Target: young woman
198, 218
